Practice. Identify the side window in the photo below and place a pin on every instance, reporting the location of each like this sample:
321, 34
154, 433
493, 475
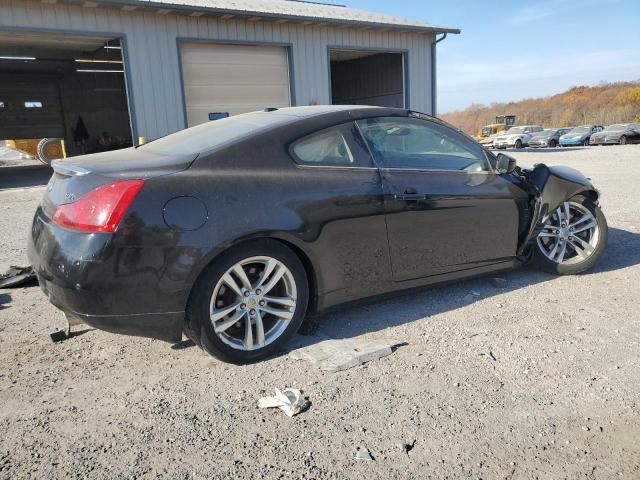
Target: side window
401, 142
327, 147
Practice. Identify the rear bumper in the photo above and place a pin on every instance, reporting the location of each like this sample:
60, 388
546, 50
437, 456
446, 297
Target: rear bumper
84, 275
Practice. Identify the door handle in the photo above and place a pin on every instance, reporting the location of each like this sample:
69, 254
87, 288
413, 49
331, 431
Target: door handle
409, 197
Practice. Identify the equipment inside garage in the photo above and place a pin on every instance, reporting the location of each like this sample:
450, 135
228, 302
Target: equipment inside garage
225, 79
62, 95
362, 77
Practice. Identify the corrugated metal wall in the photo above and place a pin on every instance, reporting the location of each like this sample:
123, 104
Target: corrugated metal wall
152, 62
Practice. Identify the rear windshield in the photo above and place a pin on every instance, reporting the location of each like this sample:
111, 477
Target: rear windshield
215, 134
617, 127
580, 130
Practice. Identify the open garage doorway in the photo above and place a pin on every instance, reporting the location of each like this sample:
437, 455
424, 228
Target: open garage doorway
365, 77
61, 95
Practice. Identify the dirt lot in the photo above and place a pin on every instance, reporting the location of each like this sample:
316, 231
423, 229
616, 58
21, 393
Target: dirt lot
540, 379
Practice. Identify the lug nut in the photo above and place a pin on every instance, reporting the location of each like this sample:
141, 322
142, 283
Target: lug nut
252, 311
246, 293
243, 306
258, 292
262, 303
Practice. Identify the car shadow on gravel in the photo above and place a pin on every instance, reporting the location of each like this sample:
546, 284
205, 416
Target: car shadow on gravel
374, 315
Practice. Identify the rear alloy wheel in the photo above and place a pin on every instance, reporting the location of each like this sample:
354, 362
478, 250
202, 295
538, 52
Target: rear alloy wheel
250, 302
623, 140
518, 144
573, 239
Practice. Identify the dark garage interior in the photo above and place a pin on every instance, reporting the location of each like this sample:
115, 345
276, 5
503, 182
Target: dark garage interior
362, 77
55, 87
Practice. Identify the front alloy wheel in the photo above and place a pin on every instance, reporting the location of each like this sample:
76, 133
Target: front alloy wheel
573, 238
248, 302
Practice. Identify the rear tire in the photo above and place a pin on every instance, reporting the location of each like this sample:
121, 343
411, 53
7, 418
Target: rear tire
233, 319
518, 144
623, 140
586, 142
49, 149
553, 144
591, 242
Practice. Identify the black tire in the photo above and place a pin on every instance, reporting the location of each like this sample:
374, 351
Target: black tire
198, 316
518, 144
553, 143
586, 142
623, 140
49, 149
541, 262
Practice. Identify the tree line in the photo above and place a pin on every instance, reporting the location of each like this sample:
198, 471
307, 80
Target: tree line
604, 104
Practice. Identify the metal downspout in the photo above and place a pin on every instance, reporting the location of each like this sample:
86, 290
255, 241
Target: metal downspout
433, 73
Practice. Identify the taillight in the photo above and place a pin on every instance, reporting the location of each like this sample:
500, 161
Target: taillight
101, 209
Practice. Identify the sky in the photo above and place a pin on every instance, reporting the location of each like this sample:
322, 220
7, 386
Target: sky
515, 49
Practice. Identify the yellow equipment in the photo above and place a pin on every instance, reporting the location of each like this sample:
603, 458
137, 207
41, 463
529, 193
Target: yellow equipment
503, 123
44, 149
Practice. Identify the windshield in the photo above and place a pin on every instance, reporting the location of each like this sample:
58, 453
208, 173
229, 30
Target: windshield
215, 133
544, 133
515, 130
580, 130
617, 127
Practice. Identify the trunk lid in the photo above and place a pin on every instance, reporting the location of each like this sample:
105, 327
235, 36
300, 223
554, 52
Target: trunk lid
76, 176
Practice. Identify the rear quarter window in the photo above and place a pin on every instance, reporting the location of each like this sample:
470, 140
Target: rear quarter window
327, 147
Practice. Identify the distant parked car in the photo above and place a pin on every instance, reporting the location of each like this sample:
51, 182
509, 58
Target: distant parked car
621, 133
516, 137
549, 137
579, 135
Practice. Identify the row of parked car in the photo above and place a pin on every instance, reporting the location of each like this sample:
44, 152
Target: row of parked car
536, 136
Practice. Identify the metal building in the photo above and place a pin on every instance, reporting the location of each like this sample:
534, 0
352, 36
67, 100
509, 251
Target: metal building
76, 69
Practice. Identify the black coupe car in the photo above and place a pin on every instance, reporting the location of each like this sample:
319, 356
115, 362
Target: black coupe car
236, 230
619, 133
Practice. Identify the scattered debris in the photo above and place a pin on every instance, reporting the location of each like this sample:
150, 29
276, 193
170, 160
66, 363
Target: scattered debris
58, 335
363, 454
407, 447
498, 282
16, 276
336, 355
290, 401
490, 355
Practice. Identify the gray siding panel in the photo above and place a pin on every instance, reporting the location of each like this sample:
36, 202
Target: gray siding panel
153, 72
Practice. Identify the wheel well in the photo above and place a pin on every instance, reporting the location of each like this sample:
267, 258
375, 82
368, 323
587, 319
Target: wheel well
310, 271
302, 256
591, 195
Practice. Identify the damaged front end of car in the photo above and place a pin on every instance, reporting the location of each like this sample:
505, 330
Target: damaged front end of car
550, 187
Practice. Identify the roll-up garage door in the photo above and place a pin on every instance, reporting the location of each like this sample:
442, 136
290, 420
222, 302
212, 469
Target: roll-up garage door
30, 107
231, 79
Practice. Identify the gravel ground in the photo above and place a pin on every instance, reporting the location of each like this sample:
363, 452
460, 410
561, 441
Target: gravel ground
540, 379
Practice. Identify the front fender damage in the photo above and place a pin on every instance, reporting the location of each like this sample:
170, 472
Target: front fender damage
550, 187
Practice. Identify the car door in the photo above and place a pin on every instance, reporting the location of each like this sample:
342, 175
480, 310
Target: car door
446, 208
338, 195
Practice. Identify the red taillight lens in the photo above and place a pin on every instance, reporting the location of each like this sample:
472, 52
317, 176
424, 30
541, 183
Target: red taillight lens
101, 209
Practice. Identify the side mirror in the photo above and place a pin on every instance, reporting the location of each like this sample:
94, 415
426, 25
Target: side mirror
505, 163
